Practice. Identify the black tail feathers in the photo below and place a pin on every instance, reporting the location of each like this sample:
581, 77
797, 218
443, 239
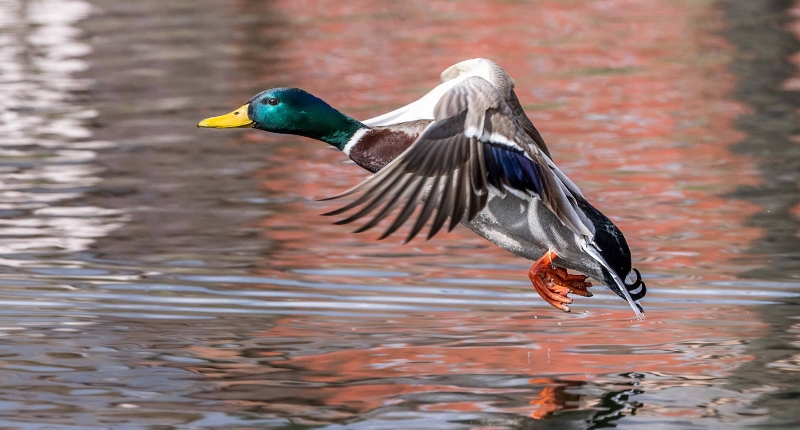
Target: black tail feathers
637, 289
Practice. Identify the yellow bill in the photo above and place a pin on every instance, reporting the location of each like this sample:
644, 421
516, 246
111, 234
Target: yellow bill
235, 119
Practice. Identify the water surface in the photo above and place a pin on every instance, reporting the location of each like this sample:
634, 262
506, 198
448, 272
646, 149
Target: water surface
159, 276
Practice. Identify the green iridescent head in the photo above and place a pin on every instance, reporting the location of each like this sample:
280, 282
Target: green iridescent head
290, 111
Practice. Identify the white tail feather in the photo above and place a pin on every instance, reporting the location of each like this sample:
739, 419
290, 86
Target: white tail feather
633, 303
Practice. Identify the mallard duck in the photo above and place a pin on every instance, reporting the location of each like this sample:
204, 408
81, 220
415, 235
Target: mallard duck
465, 152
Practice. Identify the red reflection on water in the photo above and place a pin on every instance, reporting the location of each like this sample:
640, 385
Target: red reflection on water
632, 98
361, 365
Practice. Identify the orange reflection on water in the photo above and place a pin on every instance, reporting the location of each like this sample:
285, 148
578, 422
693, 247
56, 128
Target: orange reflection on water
631, 96
360, 365
633, 100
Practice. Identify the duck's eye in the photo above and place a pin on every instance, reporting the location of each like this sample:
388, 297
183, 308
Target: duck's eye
272, 101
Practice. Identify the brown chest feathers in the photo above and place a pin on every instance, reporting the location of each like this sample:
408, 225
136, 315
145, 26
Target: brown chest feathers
380, 145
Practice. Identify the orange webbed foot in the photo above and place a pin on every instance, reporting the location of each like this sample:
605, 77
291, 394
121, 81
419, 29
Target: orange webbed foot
553, 284
577, 284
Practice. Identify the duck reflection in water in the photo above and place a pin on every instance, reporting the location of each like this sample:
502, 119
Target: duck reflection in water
561, 396
465, 152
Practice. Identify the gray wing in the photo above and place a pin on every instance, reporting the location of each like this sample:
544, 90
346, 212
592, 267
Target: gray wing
525, 122
538, 141
474, 146
502, 81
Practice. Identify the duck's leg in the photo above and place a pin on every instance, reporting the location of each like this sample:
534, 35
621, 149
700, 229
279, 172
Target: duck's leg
553, 284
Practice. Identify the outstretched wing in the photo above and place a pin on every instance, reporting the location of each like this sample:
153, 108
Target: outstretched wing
474, 146
526, 124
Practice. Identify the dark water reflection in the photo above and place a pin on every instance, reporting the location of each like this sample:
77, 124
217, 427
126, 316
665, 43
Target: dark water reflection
768, 66
155, 275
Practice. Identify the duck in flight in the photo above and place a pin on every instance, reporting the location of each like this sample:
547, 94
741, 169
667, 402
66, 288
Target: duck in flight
463, 153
